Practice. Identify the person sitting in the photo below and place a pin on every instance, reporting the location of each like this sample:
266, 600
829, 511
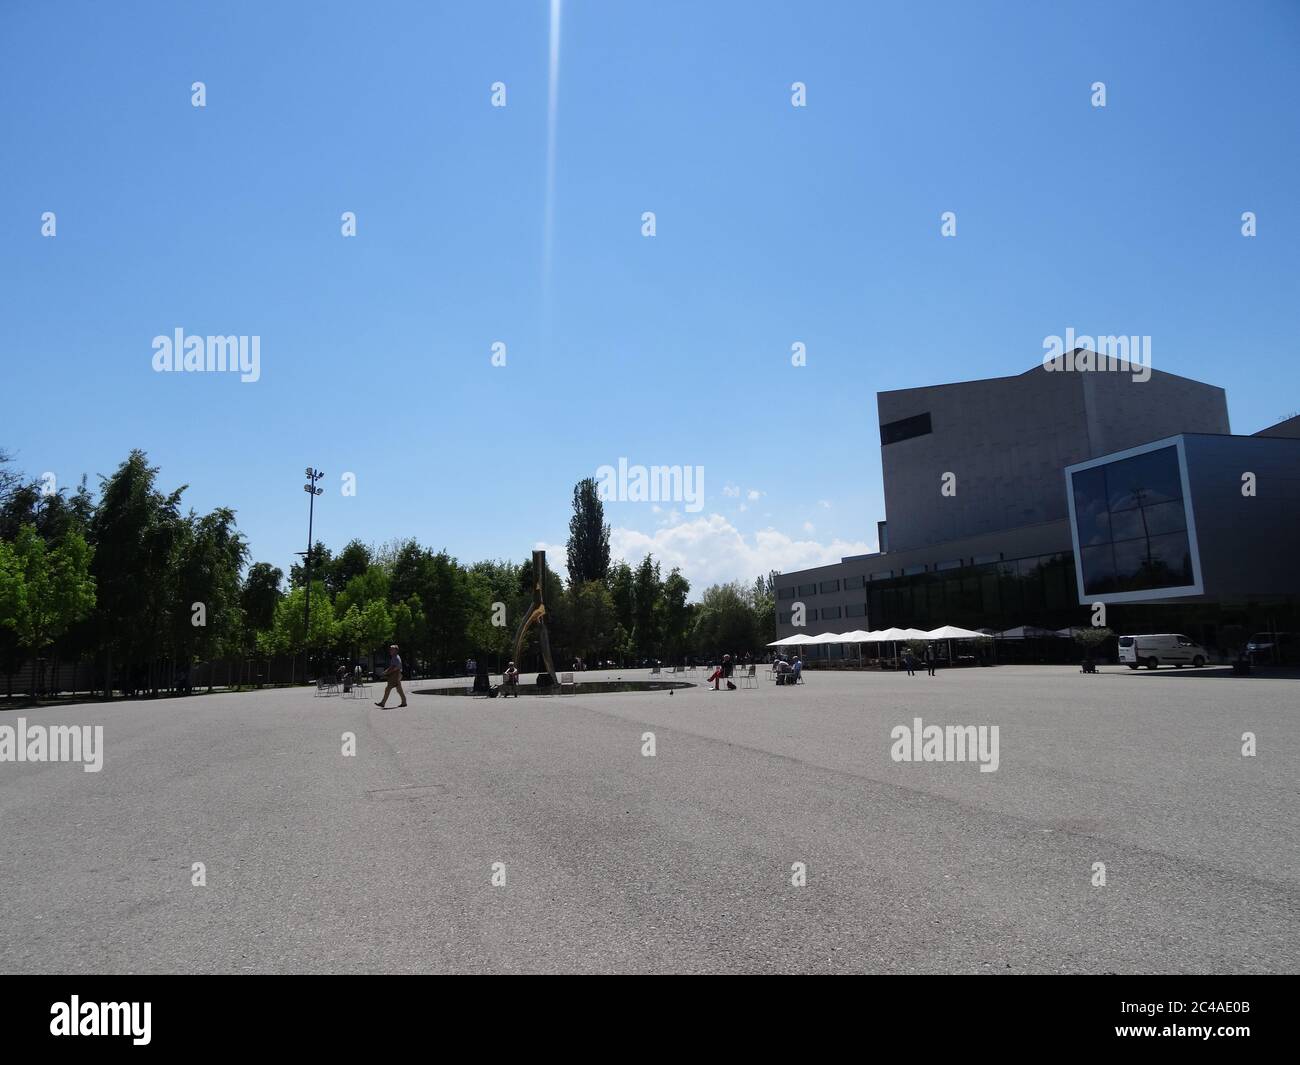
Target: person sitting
723, 670
512, 681
784, 671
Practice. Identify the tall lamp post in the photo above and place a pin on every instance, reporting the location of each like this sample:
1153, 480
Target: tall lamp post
313, 475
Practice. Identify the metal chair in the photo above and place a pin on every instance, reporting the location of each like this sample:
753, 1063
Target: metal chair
567, 684
749, 679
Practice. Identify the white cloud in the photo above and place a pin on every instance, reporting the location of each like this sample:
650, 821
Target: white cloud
732, 490
826, 503
710, 550
754, 495
809, 527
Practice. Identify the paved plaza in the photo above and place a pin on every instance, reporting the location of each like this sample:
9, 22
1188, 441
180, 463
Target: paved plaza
615, 861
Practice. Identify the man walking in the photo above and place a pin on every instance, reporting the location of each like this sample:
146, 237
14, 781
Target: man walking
393, 676
929, 658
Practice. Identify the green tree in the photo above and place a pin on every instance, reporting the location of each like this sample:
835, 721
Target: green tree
647, 607
592, 624
43, 591
134, 531
588, 546
354, 560
260, 594
409, 626
724, 621
322, 561
209, 556
763, 600
677, 615
366, 587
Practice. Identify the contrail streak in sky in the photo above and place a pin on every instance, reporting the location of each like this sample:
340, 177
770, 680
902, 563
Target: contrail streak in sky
552, 100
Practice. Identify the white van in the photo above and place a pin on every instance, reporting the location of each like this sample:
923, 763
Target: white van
1160, 649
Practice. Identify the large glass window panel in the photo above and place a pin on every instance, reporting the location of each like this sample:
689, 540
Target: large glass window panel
1090, 511
1157, 562
875, 604
1098, 569
1165, 518
1058, 580
1031, 581
1144, 480
1012, 597
934, 600
989, 600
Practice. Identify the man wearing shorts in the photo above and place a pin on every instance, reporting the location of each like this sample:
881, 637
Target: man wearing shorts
393, 676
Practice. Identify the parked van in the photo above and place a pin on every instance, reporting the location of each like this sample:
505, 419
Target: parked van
1161, 649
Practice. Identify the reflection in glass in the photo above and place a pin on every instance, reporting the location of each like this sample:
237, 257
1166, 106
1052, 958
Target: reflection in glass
1132, 524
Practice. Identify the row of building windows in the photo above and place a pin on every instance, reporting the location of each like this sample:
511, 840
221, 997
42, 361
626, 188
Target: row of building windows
998, 594
848, 584
827, 613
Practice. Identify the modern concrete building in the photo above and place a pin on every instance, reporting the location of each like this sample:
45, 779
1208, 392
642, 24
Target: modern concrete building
981, 530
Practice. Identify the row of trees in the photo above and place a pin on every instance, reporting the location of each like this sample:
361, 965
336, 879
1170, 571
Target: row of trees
129, 581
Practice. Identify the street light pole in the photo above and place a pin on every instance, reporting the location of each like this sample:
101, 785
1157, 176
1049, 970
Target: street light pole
310, 488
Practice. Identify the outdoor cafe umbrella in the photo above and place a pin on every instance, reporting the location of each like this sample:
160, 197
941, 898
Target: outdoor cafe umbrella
954, 632
1027, 632
892, 636
827, 638
857, 637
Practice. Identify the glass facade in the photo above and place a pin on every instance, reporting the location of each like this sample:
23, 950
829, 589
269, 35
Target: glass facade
1000, 595
1132, 524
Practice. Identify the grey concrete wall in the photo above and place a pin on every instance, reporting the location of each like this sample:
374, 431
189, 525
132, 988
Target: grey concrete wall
1007, 440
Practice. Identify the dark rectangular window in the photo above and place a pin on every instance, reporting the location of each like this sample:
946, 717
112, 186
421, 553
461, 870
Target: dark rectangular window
854, 582
905, 428
830, 586
784, 617
785, 593
807, 589
830, 613
855, 610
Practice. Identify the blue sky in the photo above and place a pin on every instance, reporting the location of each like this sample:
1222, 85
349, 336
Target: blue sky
775, 225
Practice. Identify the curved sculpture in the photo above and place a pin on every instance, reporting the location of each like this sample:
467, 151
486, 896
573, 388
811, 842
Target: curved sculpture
537, 616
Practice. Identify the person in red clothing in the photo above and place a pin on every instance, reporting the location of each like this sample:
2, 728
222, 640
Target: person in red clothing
723, 672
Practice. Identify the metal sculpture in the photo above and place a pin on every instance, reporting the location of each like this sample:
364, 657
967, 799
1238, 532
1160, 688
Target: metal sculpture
537, 616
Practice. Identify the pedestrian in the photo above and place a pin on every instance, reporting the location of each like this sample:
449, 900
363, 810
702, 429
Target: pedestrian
722, 672
909, 662
511, 678
393, 677
929, 658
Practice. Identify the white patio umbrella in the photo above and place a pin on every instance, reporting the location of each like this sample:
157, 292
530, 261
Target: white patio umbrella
892, 636
1025, 632
826, 638
857, 637
955, 632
